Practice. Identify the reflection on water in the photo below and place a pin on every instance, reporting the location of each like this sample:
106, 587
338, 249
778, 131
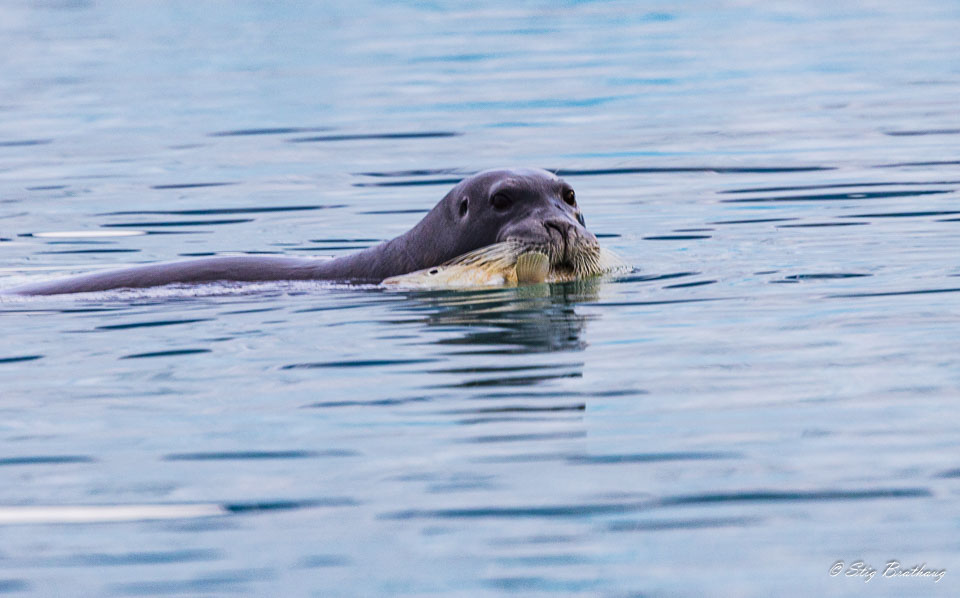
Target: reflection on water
529, 319
769, 392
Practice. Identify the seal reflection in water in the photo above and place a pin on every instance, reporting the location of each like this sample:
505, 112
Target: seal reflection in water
498, 227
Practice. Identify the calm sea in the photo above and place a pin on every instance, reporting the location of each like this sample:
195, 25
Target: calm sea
773, 390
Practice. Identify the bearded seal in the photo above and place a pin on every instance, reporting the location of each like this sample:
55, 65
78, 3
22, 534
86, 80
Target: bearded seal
526, 207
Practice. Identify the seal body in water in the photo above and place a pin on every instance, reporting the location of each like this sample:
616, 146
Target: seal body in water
525, 208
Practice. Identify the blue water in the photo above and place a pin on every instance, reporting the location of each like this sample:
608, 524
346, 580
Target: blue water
772, 391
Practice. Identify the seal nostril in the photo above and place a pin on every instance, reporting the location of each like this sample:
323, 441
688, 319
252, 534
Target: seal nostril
563, 230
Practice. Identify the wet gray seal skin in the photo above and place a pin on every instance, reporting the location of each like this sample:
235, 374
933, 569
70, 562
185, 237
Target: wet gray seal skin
530, 205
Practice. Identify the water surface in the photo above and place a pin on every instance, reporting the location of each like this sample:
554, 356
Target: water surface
773, 390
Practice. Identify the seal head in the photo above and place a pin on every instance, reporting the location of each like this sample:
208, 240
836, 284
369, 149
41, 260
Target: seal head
530, 207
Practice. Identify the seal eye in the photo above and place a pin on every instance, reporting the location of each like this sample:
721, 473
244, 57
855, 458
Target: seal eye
501, 201
570, 197
463, 206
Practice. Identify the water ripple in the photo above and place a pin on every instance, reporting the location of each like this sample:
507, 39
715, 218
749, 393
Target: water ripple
214, 211
24, 142
139, 558
590, 509
837, 186
288, 505
165, 223
13, 585
151, 324
268, 131
650, 457
894, 293
46, 460
170, 353
681, 524
840, 196
361, 137
223, 582
359, 363
256, 455
190, 185
19, 358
